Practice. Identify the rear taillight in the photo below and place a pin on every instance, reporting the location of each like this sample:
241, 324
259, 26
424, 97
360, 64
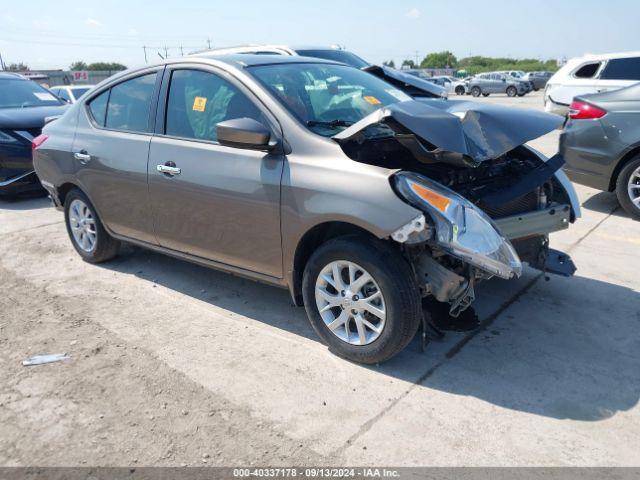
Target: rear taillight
39, 140
585, 111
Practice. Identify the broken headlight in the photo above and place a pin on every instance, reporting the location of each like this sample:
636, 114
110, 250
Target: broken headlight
462, 229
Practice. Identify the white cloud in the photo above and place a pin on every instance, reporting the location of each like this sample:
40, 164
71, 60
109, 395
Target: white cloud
413, 13
92, 22
133, 31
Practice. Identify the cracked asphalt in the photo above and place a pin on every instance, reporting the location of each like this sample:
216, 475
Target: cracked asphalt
175, 364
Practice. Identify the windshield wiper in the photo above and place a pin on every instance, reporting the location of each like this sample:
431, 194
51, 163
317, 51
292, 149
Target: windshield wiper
330, 124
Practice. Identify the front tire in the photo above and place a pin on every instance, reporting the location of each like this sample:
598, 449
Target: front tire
512, 92
485, 94
459, 90
87, 234
476, 92
361, 298
628, 188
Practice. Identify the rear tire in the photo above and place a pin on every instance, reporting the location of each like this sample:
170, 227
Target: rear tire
392, 286
629, 195
485, 94
511, 91
87, 234
476, 92
459, 90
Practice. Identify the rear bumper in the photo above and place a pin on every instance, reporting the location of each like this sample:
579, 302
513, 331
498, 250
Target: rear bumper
553, 107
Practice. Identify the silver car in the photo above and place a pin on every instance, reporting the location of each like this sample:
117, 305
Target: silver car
487, 83
314, 176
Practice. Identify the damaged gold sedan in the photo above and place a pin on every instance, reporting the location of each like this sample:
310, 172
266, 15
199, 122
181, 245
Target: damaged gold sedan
314, 176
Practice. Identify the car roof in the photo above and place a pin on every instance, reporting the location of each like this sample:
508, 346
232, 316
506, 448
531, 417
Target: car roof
243, 60
608, 56
11, 76
286, 49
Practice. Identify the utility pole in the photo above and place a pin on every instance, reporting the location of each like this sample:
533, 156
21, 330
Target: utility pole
2, 63
417, 59
166, 54
144, 48
209, 43
181, 51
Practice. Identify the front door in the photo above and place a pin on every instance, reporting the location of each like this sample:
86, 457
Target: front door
215, 202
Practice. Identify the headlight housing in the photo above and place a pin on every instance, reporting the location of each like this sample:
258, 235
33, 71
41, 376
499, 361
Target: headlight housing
462, 229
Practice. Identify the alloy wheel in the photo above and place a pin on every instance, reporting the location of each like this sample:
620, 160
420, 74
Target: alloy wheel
83, 225
350, 302
633, 187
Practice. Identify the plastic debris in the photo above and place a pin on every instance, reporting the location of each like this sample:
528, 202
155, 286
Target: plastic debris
42, 359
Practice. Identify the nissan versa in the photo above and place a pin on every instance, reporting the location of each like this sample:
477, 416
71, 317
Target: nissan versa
314, 176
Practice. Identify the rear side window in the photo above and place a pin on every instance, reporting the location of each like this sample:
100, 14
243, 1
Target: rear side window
198, 101
130, 103
98, 108
587, 71
622, 69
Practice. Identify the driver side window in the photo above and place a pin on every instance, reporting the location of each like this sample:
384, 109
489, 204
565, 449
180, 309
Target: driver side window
199, 100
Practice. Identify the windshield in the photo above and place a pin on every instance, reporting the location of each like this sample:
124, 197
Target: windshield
326, 98
341, 56
20, 93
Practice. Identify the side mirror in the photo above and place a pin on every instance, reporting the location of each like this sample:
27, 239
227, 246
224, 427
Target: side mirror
504, 79
244, 133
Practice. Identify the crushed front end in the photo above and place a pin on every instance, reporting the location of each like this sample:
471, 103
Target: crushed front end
488, 202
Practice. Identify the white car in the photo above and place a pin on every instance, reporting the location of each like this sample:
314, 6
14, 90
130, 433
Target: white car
452, 84
70, 93
590, 74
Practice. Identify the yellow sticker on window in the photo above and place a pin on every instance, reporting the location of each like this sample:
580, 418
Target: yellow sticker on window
199, 104
372, 100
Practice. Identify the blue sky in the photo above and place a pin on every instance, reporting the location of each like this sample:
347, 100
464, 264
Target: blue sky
47, 34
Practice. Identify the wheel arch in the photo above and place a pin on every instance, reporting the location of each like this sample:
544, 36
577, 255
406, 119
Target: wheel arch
309, 243
626, 158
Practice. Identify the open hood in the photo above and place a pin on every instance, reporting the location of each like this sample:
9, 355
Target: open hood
409, 84
456, 132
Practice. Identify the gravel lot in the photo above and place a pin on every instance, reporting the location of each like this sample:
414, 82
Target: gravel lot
174, 364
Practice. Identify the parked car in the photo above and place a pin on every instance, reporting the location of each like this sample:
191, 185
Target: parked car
310, 175
601, 144
519, 75
413, 85
70, 93
538, 79
452, 84
590, 74
24, 107
488, 83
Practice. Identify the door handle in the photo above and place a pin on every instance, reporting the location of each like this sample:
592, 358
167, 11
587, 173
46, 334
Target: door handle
169, 169
82, 156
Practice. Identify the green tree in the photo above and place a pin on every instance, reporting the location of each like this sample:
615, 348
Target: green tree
408, 63
106, 66
79, 65
444, 59
389, 63
18, 67
478, 64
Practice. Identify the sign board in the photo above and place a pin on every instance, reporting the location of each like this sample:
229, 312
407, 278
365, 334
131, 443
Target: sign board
80, 76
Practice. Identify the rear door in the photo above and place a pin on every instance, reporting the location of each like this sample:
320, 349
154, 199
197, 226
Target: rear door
224, 204
111, 150
583, 79
619, 73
